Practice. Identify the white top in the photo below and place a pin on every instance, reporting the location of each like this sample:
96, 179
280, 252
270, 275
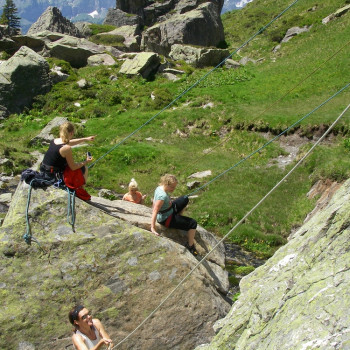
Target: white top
88, 342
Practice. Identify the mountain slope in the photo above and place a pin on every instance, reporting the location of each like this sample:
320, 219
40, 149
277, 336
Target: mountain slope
76, 10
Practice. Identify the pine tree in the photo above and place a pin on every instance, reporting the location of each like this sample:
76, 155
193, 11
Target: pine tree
9, 16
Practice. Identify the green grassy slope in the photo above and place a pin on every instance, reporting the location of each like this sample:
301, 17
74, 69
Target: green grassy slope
248, 102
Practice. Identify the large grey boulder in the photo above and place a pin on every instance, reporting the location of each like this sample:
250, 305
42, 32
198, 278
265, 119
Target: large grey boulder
144, 64
76, 51
102, 59
149, 12
197, 56
200, 26
119, 18
291, 32
131, 35
120, 271
22, 77
140, 216
300, 297
52, 20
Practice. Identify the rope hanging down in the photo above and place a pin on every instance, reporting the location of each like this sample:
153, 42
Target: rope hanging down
70, 211
267, 143
233, 228
193, 85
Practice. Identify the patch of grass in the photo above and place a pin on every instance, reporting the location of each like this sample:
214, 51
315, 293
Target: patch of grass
100, 28
108, 39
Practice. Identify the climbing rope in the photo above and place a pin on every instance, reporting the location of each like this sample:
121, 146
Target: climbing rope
28, 237
277, 101
233, 228
193, 85
267, 143
71, 208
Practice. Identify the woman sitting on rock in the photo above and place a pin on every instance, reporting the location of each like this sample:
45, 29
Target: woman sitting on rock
89, 333
134, 195
60, 153
167, 212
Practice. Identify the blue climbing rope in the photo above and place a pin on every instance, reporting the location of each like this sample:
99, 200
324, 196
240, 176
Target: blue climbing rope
28, 237
267, 143
71, 208
193, 85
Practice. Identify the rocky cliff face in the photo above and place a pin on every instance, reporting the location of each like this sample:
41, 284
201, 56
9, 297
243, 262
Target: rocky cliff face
121, 272
190, 22
300, 298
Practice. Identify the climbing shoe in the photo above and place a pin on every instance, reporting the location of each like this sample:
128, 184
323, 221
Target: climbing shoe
192, 249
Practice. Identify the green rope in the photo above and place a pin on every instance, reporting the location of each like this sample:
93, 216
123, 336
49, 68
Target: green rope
267, 143
193, 85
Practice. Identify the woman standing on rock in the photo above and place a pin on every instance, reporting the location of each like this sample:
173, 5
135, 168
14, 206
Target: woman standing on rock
167, 212
89, 333
59, 154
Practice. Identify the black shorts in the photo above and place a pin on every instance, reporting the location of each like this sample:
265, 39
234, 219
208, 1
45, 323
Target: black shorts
178, 221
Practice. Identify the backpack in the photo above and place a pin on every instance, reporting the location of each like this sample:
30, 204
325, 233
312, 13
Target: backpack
39, 180
74, 180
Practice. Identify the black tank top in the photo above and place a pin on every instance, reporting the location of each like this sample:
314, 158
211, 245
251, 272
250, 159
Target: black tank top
53, 157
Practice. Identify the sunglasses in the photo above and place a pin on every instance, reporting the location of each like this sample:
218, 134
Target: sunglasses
84, 317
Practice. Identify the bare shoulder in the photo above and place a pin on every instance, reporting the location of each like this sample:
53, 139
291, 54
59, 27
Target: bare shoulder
65, 149
77, 338
97, 323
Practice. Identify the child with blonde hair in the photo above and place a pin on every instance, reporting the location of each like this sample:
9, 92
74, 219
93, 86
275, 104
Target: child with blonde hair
134, 195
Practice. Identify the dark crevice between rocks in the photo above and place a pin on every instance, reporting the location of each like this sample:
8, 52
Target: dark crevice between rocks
237, 257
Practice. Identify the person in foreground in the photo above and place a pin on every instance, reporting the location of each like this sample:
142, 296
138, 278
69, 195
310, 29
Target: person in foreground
168, 213
134, 195
59, 154
89, 333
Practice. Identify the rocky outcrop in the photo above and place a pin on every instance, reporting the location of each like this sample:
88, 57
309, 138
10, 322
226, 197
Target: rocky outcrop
23, 76
74, 50
52, 20
196, 56
144, 64
120, 18
192, 22
122, 272
102, 59
298, 298
342, 11
291, 32
131, 35
200, 26
151, 12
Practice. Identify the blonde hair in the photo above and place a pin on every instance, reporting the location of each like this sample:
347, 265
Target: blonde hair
168, 179
66, 129
133, 184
